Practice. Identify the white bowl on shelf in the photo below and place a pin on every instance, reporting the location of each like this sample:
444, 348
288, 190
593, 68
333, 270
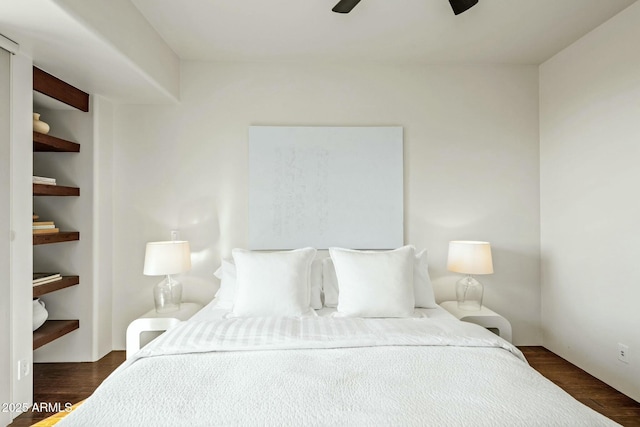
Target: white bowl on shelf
40, 313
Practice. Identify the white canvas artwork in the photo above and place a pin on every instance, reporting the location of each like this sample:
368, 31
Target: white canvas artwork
325, 186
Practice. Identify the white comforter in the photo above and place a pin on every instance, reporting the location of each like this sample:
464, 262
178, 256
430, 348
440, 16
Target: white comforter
329, 371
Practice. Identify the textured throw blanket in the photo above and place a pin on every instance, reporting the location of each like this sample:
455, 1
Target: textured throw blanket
329, 371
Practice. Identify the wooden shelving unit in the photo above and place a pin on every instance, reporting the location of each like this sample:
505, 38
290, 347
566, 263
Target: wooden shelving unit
52, 330
46, 143
55, 88
65, 282
63, 236
54, 190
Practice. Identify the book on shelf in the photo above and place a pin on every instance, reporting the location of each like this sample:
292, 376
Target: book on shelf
38, 223
44, 227
42, 278
44, 180
46, 231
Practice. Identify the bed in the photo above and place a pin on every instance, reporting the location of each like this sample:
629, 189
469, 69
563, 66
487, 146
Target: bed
238, 364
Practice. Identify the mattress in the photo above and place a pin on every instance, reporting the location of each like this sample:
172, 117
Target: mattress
430, 369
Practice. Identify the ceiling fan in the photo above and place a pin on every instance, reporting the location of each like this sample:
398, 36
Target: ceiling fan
458, 6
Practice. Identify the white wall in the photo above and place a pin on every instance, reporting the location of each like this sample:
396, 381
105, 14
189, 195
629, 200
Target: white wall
471, 167
21, 210
5, 231
590, 210
102, 216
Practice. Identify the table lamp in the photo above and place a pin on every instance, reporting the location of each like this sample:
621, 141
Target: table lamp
167, 258
468, 257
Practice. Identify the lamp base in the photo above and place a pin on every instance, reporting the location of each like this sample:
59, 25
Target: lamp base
167, 295
469, 293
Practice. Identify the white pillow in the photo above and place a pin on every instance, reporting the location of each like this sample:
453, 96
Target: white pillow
422, 286
375, 283
227, 292
227, 275
272, 283
316, 284
329, 283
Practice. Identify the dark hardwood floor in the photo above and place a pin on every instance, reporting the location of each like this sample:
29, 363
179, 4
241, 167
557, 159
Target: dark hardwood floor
584, 387
67, 382
73, 382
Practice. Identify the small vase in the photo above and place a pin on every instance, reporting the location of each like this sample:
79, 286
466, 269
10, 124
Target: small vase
40, 314
39, 126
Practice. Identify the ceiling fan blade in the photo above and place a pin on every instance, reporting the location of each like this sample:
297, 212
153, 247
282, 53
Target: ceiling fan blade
345, 6
460, 6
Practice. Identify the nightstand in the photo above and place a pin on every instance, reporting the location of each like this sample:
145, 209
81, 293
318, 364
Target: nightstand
152, 321
484, 317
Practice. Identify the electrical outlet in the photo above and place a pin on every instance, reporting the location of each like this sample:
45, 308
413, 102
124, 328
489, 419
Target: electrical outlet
175, 235
623, 353
24, 368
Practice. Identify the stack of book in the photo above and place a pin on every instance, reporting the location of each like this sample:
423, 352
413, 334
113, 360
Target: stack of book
43, 227
42, 278
44, 180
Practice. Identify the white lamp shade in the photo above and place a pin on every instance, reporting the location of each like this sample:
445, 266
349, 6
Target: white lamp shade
163, 258
469, 257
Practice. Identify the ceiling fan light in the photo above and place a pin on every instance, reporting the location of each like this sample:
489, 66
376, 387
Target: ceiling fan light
460, 6
345, 6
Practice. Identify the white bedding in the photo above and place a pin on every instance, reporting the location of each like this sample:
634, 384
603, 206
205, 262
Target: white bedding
329, 371
216, 311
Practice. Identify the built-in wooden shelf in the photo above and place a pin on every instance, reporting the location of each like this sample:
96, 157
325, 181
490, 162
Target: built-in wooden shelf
48, 143
63, 236
54, 190
55, 88
65, 282
52, 330
52, 87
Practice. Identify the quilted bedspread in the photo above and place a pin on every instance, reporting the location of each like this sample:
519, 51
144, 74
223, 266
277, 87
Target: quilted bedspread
330, 371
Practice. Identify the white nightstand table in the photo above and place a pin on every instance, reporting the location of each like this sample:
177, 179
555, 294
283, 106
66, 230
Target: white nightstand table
484, 317
152, 321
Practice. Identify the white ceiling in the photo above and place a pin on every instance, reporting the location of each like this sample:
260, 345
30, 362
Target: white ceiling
115, 48
493, 31
68, 47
